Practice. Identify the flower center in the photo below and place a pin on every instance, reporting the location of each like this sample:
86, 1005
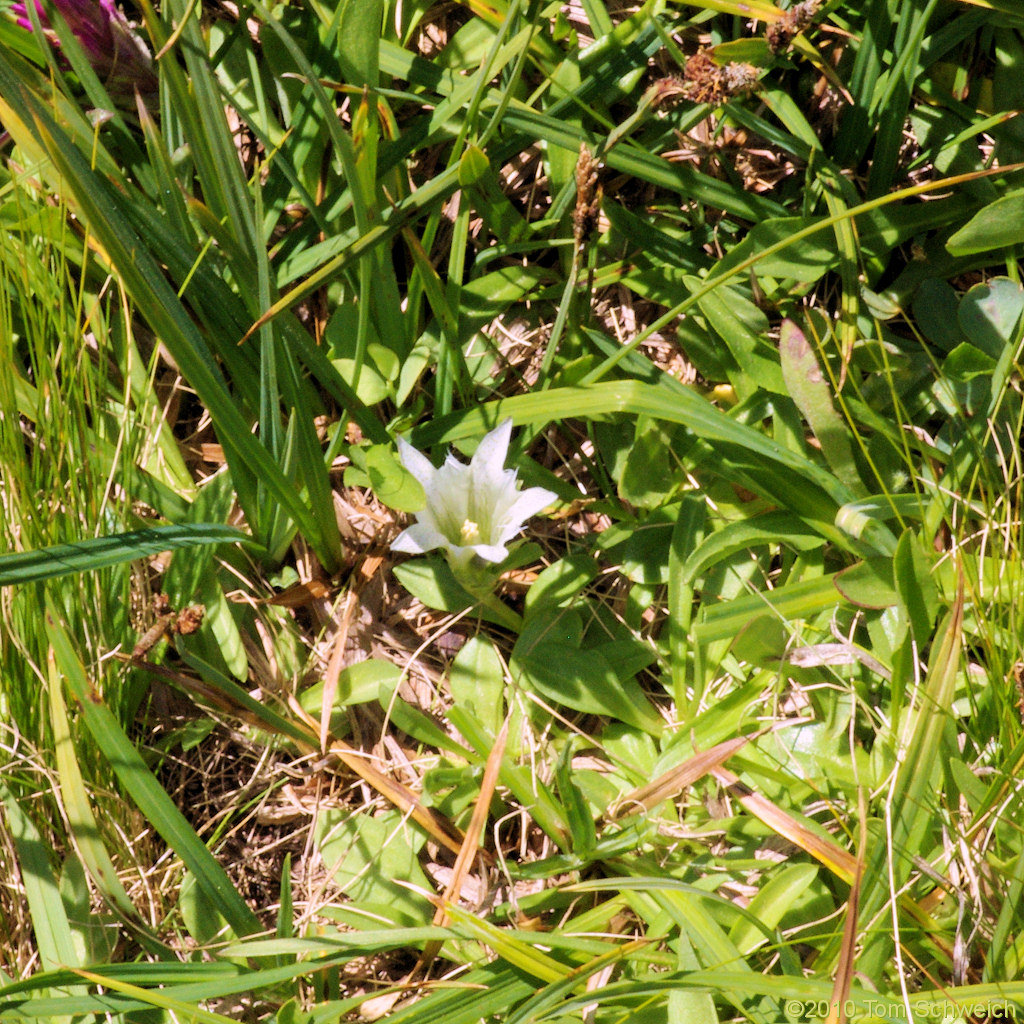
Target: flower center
470, 533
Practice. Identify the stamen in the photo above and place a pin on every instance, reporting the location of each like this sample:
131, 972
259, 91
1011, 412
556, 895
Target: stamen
470, 533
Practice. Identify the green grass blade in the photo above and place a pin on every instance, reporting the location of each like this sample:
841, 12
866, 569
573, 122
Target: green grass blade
912, 796
142, 786
101, 207
49, 918
102, 552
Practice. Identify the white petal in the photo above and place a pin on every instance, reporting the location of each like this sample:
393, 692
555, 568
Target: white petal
420, 537
416, 462
449, 497
488, 461
530, 502
505, 501
491, 552
527, 504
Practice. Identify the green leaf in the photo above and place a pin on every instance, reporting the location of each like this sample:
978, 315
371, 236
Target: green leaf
393, 484
202, 919
772, 903
417, 724
996, 226
432, 581
560, 582
917, 591
813, 396
914, 800
548, 659
807, 260
369, 856
801, 600
652, 472
359, 31
477, 682
49, 918
765, 530
990, 315
357, 684
868, 584
101, 552
140, 784
79, 812
743, 329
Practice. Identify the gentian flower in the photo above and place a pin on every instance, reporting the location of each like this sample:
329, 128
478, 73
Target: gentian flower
472, 510
117, 55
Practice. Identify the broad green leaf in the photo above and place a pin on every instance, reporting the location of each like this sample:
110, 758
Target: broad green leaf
998, 225
990, 315
868, 584
393, 484
202, 919
548, 659
417, 724
96, 935
935, 310
686, 534
560, 582
220, 634
359, 31
477, 682
357, 684
743, 329
806, 260
771, 904
369, 856
917, 591
653, 471
50, 924
79, 812
808, 387
432, 581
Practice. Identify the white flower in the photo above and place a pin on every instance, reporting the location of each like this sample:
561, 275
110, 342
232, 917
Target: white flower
471, 510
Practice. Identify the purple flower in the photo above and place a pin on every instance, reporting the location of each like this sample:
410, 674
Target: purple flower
116, 53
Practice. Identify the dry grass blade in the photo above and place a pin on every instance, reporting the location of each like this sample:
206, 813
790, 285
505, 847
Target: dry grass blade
471, 844
848, 953
477, 823
676, 779
841, 862
334, 666
404, 799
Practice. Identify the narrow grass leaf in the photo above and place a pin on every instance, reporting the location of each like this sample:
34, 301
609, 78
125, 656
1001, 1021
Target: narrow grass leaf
142, 786
157, 998
511, 949
841, 862
79, 814
537, 1008
677, 779
100, 206
913, 796
50, 924
102, 552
